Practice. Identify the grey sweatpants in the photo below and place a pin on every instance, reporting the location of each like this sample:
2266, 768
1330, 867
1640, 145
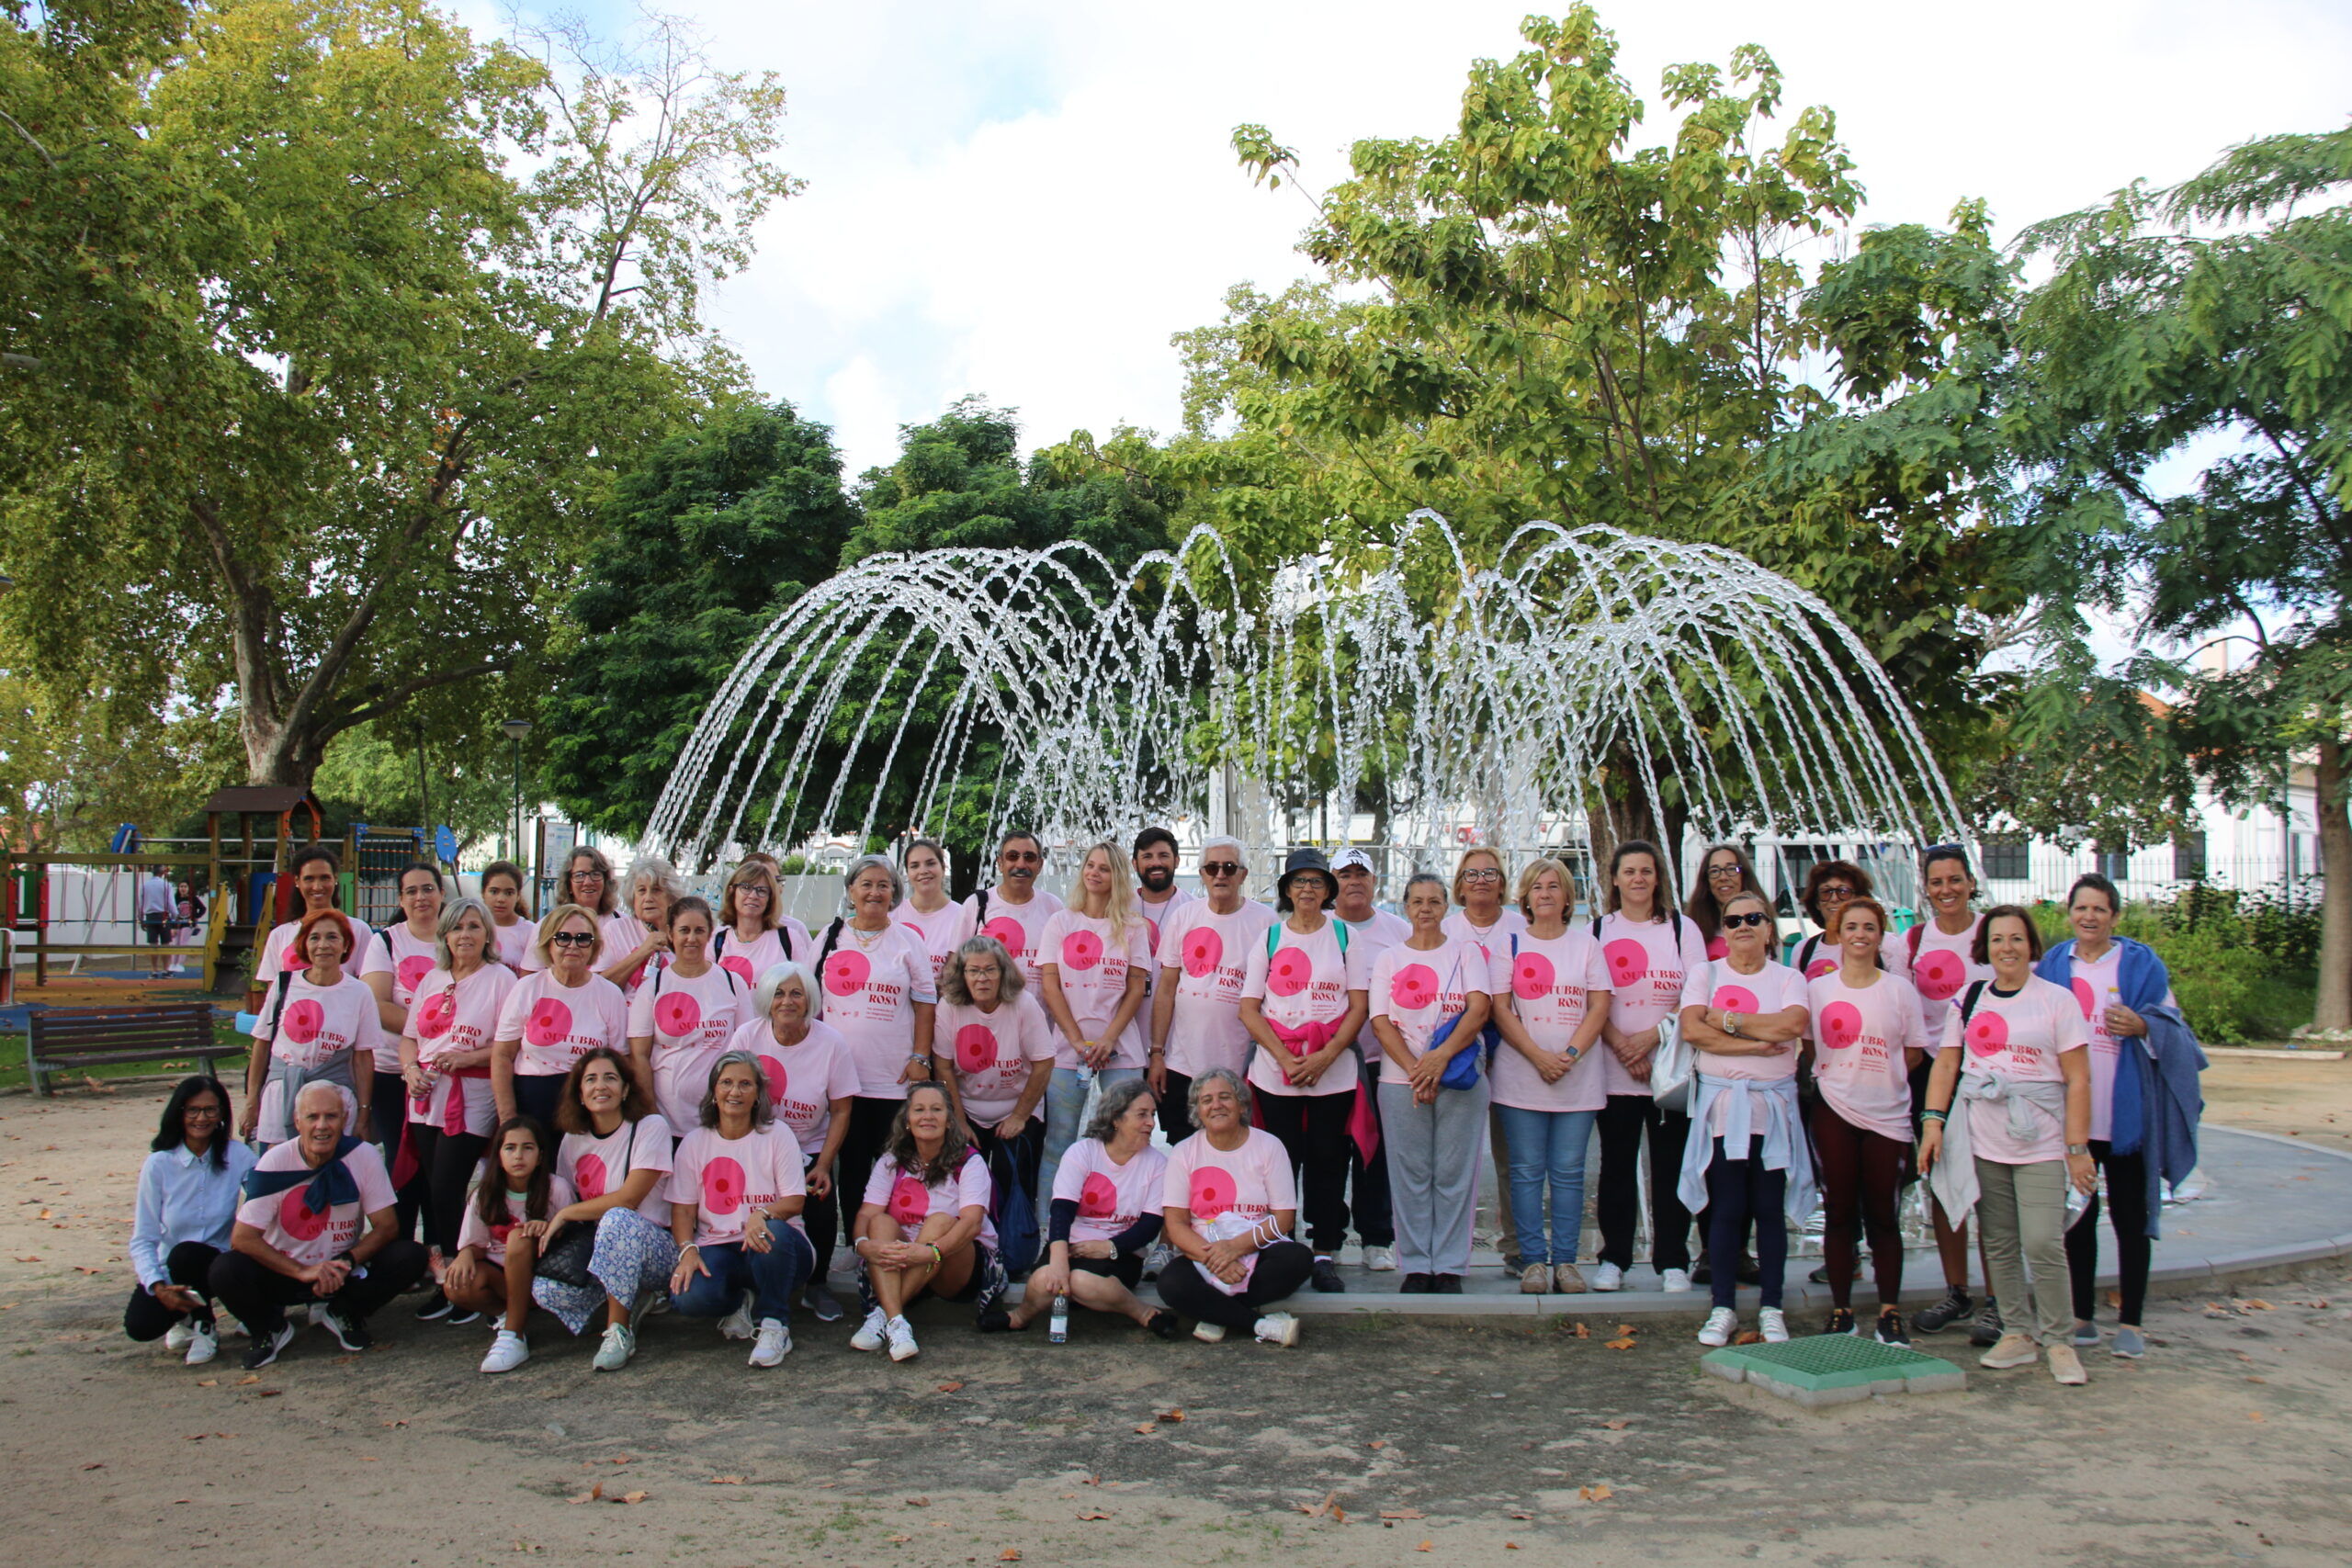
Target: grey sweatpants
1433, 1153
2021, 1212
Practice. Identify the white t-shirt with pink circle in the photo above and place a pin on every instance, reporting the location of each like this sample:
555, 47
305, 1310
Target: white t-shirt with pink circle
284, 939
749, 960
1650, 963
1155, 922
1769, 991
941, 930
1092, 962
1417, 991
1253, 1181
595, 1166
1942, 971
1494, 939
555, 1025
514, 943
906, 1199
448, 1017
492, 1239
315, 1025
804, 1080
994, 1053
1210, 952
1111, 1197
1893, 956
1306, 980
2098, 985
1551, 982
1860, 1038
408, 959
690, 1022
2017, 1038
873, 981
286, 1219
726, 1179
1021, 926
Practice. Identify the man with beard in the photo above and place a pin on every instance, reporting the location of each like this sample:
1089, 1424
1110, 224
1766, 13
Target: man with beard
1014, 911
1156, 895
1374, 931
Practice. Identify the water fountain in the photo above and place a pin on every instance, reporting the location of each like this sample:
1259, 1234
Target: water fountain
1049, 689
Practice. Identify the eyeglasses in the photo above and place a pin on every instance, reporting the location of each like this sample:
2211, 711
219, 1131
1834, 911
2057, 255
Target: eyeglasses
1833, 890
587, 877
1715, 871
1482, 876
201, 1113
1736, 922
573, 939
1220, 868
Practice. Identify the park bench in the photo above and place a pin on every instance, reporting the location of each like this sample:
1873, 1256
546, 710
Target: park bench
60, 1039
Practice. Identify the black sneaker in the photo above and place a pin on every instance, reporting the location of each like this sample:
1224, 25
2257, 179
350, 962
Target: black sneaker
1820, 1275
1327, 1276
436, 1306
1750, 1271
1446, 1285
265, 1348
1954, 1308
459, 1316
1414, 1285
1511, 1264
1164, 1323
349, 1332
1891, 1330
1986, 1330
1841, 1321
996, 1320
1703, 1272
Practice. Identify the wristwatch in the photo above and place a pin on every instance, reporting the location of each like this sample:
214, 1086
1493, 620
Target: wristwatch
2073, 1149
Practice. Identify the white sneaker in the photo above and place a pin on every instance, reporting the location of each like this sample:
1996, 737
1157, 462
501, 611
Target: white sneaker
1159, 1257
1722, 1324
870, 1333
1380, 1259
508, 1352
902, 1339
1278, 1328
202, 1345
1674, 1281
1209, 1333
737, 1324
1773, 1324
1609, 1277
774, 1344
617, 1346
178, 1335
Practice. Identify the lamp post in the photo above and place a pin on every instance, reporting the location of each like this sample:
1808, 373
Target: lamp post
515, 729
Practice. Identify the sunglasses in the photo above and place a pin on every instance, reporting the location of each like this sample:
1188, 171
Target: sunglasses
1010, 858
1220, 868
1736, 922
1835, 890
573, 939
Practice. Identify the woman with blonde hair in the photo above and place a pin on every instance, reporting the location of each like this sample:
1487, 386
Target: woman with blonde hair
1093, 966
755, 934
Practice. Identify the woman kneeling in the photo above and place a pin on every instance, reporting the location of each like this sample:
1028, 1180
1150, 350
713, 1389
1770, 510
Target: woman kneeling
1105, 1216
736, 1193
924, 1225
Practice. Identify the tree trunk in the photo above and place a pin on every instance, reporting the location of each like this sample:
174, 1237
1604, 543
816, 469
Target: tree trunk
2334, 1009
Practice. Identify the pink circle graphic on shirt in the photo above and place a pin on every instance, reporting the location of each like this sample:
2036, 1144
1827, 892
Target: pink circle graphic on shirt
1213, 1192
1203, 948
297, 1219
1413, 987
1628, 961
498, 1234
1938, 974
1008, 931
1082, 950
1734, 998
741, 968
1289, 972
588, 1177
548, 1022
434, 1014
293, 958
453, 1111
304, 1020
1818, 968
909, 1202
846, 971
773, 1070
722, 1186
1153, 926
676, 1012
1530, 976
413, 970
1988, 1031
1098, 1199
1841, 1025
2082, 990
974, 1048
914, 927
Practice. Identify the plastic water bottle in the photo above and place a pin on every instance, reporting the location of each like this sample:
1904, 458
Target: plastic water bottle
1057, 1326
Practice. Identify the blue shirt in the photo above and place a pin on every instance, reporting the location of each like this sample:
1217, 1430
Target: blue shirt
183, 1197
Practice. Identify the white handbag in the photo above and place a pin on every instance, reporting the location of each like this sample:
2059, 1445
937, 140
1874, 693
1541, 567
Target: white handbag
1672, 1066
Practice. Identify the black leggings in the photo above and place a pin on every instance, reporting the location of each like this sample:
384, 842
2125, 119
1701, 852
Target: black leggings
1281, 1270
1623, 1122
447, 1162
387, 1112
189, 1263
259, 1295
1741, 1191
2127, 1209
822, 1218
1314, 1131
1176, 1110
1861, 1188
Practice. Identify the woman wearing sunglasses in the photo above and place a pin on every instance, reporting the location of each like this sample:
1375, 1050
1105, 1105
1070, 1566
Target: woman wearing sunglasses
1724, 870
554, 1016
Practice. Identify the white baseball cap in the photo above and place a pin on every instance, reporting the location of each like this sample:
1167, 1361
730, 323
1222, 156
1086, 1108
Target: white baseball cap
1353, 859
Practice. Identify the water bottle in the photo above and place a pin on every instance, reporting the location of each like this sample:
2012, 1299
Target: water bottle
1057, 1326
1085, 1067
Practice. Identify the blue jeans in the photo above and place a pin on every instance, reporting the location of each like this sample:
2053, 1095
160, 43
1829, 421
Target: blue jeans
1064, 1104
1548, 1147
771, 1276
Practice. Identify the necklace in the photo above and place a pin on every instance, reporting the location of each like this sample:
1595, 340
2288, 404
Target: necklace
865, 939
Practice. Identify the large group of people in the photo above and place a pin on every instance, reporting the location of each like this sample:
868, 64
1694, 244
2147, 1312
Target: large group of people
638, 1102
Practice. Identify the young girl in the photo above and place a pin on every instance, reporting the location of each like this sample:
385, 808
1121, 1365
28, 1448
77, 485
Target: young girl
501, 889
498, 1243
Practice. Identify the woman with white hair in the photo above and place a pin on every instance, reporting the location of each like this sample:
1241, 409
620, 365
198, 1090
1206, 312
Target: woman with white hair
1105, 1216
735, 1199
554, 1014
999, 1050
812, 1077
1228, 1202
1093, 960
444, 1062
683, 1015
637, 935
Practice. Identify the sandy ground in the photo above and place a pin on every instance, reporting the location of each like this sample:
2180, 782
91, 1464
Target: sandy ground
1468, 1443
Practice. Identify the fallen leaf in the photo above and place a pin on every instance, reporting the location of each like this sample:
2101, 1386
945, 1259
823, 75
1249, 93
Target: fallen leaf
1172, 1415
1626, 1328
1379, 1443
1147, 1429
44, 1213
1010, 1554
95, 1464
101, 1087
26, 1256
249, 1376
1620, 1343
1402, 1513
1423, 1547
2257, 1380
208, 1383
2115, 1299
897, 1540
1510, 1546
1748, 1336
2254, 1414
1520, 1514
1620, 1424
396, 1423
1583, 1332
623, 1458
267, 1393
727, 1481
633, 1497
589, 1496
1098, 1514
2257, 1304
949, 1387
1597, 1494
918, 1502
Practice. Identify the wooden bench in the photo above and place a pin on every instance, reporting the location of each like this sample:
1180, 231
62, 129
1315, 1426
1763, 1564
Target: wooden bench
60, 1039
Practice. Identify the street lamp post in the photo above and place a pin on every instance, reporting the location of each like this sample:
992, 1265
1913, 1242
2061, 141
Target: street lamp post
515, 729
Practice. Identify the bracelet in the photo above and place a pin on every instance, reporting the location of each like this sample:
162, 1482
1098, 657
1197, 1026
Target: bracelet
1935, 1116
937, 1258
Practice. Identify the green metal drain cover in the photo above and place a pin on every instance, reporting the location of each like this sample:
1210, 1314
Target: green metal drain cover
1834, 1369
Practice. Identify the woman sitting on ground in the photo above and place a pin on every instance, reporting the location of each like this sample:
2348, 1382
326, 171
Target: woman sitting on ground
498, 1240
1105, 1216
615, 1159
1229, 1201
735, 1200
925, 1226
188, 1203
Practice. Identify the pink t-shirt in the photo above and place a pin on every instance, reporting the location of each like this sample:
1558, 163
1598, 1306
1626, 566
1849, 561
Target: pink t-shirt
287, 1221
2098, 986
1649, 963
515, 942
994, 1053
492, 1239
689, 1022
1378, 934
873, 980
1111, 1197
555, 1025
749, 960
1550, 984
1092, 963
910, 1203
1509, 923
315, 1025
1021, 926
726, 1179
622, 932
448, 1017
1253, 1181
1307, 980
1210, 952
1417, 991
408, 959
940, 932
595, 1166
803, 1080
2018, 1038
1859, 1039
1823, 957
1943, 972
1154, 924
284, 939
1771, 990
